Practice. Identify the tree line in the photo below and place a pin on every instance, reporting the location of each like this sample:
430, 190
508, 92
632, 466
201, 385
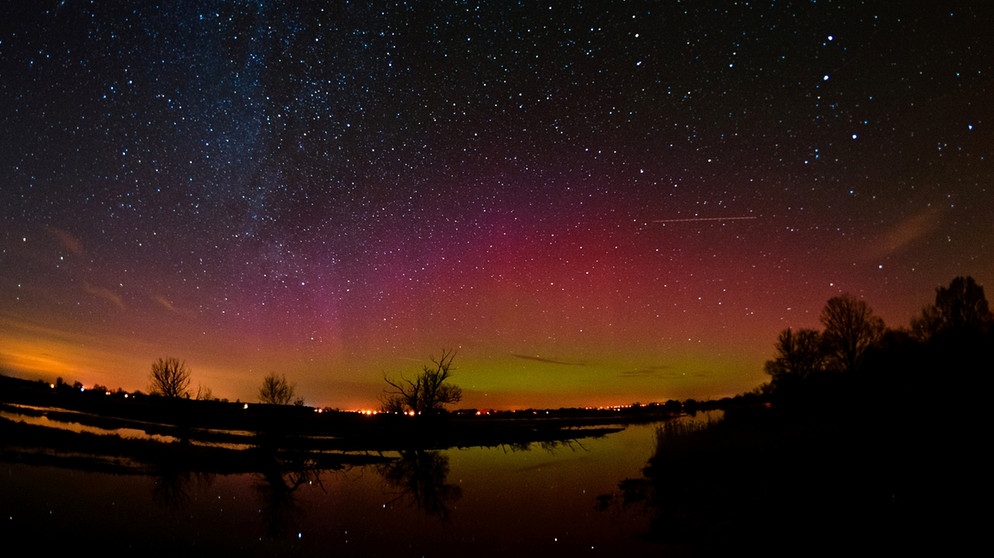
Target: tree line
170, 377
426, 394
856, 349
854, 344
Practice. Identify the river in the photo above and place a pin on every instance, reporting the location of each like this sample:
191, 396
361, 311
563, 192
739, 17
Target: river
539, 500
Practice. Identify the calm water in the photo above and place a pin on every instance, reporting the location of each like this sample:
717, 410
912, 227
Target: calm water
500, 501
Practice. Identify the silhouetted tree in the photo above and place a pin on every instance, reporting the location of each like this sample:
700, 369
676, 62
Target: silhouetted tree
204, 393
799, 355
958, 339
896, 372
276, 390
170, 378
959, 309
850, 329
426, 394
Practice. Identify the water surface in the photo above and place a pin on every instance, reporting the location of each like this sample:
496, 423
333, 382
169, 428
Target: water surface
493, 501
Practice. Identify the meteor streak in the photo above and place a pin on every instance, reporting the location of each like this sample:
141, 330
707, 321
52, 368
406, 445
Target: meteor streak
697, 219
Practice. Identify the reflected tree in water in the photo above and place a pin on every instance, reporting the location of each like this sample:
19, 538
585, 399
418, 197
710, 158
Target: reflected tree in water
172, 485
550, 446
656, 494
277, 484
421, 477
751, 473
171, 489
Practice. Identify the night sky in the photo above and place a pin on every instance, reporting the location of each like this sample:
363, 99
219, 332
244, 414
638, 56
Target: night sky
593, 202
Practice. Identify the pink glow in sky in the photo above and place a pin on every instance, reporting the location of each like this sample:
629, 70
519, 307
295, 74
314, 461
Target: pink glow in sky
591, 206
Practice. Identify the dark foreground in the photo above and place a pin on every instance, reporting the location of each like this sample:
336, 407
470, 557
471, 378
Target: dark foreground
780, 478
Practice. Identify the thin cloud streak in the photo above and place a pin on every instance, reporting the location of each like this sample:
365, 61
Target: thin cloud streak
67, 241
168, 305
549, 360
105, 294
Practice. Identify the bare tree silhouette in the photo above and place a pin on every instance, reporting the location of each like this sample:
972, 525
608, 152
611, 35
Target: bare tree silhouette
276, 390
851, 328
204, 393
169, 377
428, 393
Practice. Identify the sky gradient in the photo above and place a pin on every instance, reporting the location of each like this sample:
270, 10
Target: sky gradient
593, 203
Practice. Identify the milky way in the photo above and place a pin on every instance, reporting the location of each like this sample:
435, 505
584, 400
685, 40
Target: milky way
592, 202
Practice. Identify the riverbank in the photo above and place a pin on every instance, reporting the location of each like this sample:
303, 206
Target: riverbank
40, 423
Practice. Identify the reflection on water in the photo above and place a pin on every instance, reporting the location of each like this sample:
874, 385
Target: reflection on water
39, 416
421, 476
172, 487
276, 487
537, 499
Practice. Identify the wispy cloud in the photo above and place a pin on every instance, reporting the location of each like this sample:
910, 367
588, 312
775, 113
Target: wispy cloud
69, 242
904, 233
168, 305
549, 360
104, 293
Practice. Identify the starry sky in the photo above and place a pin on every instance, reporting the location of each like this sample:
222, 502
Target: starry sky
592, 202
